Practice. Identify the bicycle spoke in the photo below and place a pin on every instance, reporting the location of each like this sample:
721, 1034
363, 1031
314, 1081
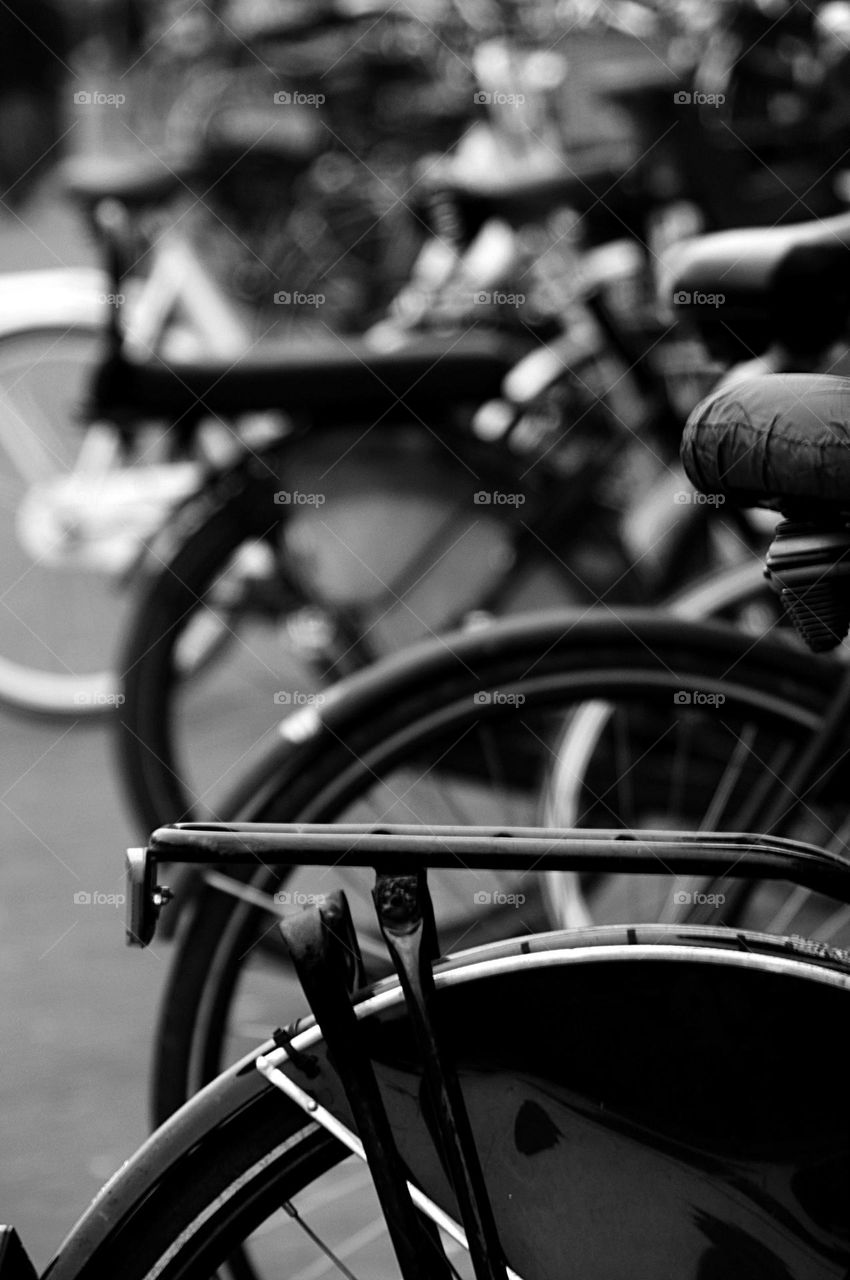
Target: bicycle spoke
498, 783
361, 1238
765, 783
679, 777
790, 908
623, 759
679, 906
242, 892
713, 818
834, 923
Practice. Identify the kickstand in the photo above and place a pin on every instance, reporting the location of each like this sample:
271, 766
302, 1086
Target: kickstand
406, 916
324, 950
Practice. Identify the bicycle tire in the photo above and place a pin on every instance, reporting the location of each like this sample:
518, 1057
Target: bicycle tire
335, 757
187, 1205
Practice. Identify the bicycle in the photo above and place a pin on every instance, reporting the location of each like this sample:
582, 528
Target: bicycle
493, 1154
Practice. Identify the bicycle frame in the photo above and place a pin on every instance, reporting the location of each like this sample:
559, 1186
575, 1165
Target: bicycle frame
179, 284
178, 308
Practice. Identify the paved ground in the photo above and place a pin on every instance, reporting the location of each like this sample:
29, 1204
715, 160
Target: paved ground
77, 1007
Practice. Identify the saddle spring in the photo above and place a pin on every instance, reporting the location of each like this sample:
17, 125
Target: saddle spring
808, 565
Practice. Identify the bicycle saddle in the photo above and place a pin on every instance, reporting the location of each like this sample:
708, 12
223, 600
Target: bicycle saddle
783, 440
133, 180
771, 439
348, 376
749, 288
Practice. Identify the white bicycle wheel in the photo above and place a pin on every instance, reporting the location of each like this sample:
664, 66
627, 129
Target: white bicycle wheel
59, 614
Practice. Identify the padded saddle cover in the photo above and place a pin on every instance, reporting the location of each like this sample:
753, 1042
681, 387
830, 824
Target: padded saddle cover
773, 437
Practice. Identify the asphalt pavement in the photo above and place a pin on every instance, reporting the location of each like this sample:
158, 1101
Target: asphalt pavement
77, 1007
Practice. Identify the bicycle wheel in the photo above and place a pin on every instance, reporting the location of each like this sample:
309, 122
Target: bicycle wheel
467, 731
740, 596
59, 619
383, 542
700, 1179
